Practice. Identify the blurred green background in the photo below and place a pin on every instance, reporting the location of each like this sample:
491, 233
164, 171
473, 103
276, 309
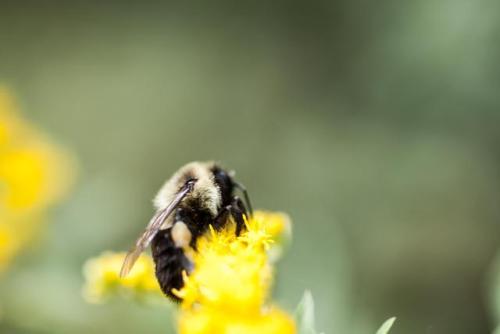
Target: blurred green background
374, 124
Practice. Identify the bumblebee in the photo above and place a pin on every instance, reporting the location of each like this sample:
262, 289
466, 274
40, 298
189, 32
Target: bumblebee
198, 195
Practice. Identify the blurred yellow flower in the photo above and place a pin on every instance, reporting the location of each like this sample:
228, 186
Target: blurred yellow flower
277, 224
15, 233
228, 290
34, 174
102, 277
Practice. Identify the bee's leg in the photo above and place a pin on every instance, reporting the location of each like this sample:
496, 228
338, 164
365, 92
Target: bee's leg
248, 204
221, 220
238, 211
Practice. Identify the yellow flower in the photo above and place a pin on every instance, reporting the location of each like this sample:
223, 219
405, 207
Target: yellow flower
228, 290
277, 224
34, 174
15, 233
279, 227
9, 245
268, 321
102, 277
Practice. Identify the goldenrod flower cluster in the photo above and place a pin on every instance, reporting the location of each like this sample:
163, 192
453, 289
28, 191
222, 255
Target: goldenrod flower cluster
228, 290
34, 174
102, 277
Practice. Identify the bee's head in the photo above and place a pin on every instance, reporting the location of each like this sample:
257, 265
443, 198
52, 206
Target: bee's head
224, 180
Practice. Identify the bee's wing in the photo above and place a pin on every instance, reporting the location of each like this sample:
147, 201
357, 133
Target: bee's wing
152, 229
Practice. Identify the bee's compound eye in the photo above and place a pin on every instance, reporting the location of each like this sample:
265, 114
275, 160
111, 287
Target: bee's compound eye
222, 177
181, 235
225, 184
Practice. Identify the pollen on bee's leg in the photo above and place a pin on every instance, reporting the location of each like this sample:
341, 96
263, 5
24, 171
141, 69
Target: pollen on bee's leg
181, 235
185, 276
177, 293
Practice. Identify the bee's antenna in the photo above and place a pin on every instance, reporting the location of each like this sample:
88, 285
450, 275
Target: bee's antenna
247, 198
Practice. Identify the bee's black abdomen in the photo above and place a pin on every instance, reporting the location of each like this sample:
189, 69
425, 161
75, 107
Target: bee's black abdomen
170, 262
